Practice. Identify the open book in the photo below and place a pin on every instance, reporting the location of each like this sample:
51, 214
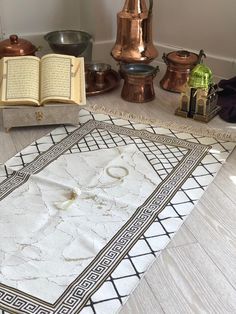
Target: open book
29, 80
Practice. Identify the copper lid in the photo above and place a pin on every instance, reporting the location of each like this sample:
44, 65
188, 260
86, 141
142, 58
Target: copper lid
182, 57
15, 46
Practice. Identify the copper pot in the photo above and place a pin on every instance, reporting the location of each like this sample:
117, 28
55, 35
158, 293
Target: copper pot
15, 46
138, 82
179, 65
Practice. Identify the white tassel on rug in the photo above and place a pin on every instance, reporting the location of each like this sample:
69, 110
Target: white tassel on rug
66, 204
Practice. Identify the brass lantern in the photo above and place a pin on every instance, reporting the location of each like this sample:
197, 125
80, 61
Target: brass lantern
199, 99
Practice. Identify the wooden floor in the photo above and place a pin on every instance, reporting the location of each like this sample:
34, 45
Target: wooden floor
196, 273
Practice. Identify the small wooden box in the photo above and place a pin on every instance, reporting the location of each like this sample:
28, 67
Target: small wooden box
19, 116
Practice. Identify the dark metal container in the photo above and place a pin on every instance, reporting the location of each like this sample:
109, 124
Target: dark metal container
71, 42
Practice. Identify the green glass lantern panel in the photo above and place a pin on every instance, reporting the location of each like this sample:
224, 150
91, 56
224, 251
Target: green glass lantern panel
200, 77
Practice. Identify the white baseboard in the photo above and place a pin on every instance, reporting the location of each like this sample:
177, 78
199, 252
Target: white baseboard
220, 66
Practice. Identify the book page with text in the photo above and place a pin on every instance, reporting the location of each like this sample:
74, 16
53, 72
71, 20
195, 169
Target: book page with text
20, 80
56, 78
62, 79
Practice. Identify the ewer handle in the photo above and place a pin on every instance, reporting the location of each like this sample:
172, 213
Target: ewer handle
150, 7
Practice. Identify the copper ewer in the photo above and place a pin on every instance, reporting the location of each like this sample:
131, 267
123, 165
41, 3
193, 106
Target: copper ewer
134, 33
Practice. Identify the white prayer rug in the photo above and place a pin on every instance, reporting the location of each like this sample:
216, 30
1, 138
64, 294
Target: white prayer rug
85, 210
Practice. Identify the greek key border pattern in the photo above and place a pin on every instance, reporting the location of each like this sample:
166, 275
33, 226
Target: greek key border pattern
77, 294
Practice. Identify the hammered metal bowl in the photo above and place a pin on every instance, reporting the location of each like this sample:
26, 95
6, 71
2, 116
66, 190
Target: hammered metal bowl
70, 42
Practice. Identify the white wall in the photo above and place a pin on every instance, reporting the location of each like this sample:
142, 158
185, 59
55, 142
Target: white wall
185, 24
207, 24
25, 17
178, 24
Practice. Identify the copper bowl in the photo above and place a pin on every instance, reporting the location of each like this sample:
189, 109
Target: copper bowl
70, 42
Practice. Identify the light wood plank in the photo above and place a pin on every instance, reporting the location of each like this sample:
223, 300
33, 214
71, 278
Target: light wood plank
23, 137
142, 301
185, 280
213, 223
215, 197
226, 177
7, 147
182, 237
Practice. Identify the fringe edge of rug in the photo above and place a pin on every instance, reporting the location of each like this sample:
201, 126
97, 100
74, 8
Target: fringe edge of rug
202, 131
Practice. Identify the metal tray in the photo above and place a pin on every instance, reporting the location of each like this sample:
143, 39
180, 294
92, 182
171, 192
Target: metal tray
112, 80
